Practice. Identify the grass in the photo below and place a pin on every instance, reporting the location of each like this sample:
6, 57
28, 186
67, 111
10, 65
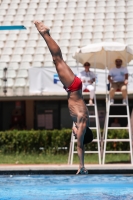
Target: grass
59, 158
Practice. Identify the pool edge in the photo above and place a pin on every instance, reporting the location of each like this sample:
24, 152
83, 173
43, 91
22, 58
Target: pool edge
64, 169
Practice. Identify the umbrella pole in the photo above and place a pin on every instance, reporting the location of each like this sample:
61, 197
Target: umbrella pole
98, 130
77, 61
106, 79
103, 135
95, 70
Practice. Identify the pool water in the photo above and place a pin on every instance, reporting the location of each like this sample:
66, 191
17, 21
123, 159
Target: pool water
66, 187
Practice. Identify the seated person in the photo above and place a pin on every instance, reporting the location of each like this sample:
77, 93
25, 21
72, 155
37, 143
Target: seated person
87, 77
118, 78
115, 123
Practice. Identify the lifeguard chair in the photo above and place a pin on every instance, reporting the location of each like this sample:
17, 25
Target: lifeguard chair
110, 115
102, 56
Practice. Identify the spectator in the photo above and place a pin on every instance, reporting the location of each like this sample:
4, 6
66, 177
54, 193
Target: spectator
118, 78
115, 123
87, 77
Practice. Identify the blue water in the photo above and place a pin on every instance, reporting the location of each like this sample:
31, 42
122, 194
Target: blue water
66, 187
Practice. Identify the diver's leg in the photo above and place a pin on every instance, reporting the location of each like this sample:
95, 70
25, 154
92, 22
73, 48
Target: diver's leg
65, 73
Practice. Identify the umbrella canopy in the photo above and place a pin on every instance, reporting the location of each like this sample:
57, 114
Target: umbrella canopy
104, 54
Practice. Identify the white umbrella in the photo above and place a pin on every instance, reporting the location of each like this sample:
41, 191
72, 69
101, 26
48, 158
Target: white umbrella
104, 54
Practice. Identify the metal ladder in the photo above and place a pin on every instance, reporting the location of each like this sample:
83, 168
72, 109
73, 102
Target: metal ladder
106, 128
98, 135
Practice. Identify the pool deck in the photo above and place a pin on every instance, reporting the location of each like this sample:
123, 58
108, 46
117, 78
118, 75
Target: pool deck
64, 169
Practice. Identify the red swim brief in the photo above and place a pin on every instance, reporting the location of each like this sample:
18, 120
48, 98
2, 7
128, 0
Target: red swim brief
76, 85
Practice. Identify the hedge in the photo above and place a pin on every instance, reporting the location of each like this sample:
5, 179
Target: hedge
51, 140
34, 140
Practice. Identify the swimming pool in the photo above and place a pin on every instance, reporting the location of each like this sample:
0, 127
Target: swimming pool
66, 187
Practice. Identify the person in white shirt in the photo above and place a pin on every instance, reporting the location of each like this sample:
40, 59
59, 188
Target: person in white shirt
88, 77
118, 78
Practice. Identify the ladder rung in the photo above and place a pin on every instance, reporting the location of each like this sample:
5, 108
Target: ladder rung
118, 104
90, 105
117, 140
117, 151
95, 140
93, 127
91, 116
118, 127
91, 152
118, 115
87, 152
